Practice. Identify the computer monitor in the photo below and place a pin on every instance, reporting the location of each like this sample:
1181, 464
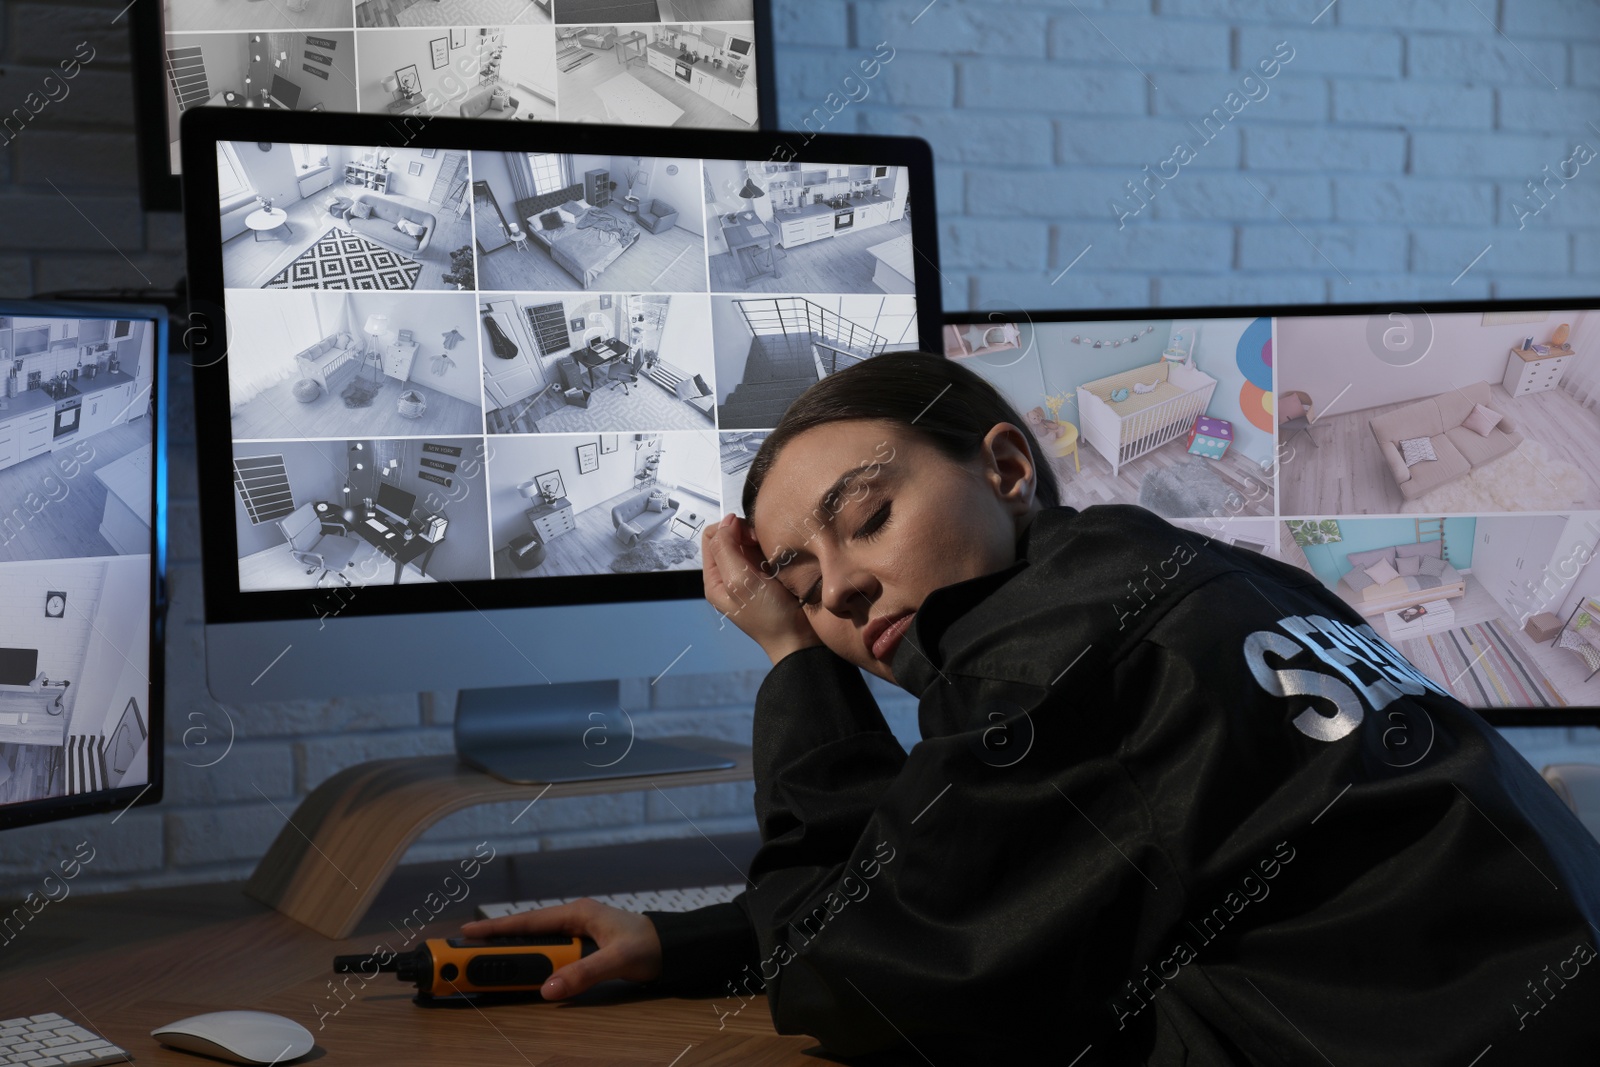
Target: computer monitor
82, 541
567, 371
396, 502
1435, 468
285, 93
683, 63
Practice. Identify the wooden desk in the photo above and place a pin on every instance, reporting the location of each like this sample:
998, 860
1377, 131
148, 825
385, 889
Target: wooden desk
600, 355
125, 963
42, 728
392, 543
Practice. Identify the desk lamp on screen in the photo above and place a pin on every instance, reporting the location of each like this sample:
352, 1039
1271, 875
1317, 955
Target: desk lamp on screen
521, 520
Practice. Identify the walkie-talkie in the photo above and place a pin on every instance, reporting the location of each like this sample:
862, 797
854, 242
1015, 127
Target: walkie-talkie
450, 966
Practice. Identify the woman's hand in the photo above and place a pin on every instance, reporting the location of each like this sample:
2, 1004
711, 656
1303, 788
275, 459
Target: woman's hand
628, 945
757, 602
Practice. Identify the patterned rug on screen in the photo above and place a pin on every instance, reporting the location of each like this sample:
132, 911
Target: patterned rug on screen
1482, 666
340, 260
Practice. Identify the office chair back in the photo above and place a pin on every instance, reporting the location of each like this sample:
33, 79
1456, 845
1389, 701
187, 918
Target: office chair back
301, 528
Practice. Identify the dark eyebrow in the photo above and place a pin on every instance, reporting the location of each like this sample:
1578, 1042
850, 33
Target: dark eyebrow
832, 493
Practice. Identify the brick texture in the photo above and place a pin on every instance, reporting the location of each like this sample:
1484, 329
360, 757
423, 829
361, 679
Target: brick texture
1401, 130
1393, 144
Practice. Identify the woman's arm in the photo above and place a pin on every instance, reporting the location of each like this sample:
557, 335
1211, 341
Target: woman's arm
923, 897
814, 714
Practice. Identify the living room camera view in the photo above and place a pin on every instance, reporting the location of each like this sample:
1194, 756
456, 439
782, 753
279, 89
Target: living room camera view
558, 362
476, 72
623, 503
300, 216
546, 222
1437, 473
353, 364
1488, 411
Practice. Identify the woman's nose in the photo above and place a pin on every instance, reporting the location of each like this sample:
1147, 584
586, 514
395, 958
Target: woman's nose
849, 590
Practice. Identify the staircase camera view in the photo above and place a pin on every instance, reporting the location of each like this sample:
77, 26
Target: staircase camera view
556, 374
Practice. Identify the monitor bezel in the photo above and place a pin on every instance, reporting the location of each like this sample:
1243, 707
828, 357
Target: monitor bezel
51, 809
203, 127
1582, 715
161, 190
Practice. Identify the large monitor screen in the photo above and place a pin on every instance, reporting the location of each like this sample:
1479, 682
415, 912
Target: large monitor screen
80, 456
684, 63
1438, 470
536, 385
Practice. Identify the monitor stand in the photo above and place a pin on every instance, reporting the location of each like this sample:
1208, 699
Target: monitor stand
563, 732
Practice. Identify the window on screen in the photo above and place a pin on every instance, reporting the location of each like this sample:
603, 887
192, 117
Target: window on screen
231, 181
308, 156
549, 172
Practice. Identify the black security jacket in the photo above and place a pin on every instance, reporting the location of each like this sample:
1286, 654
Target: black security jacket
1175, 803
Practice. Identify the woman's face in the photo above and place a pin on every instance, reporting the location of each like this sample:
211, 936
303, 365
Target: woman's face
861, 520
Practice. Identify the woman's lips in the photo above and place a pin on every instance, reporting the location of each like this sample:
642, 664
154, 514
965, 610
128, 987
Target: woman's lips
884, 646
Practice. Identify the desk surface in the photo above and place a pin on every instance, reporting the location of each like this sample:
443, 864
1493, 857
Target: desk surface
745, 232
394, 546
125, 963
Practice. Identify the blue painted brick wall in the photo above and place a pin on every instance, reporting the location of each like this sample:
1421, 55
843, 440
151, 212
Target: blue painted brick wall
1378, 163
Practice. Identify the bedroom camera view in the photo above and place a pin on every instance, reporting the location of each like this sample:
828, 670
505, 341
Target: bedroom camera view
76, 455
565, 399
1441, 475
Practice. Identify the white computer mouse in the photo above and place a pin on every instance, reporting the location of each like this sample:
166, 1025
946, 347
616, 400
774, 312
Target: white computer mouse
238, 1036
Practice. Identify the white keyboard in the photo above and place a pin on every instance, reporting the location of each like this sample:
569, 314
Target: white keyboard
376, 525
47, 1040
647, 900
12, 718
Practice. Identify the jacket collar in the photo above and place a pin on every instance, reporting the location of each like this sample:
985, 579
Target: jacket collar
916, 661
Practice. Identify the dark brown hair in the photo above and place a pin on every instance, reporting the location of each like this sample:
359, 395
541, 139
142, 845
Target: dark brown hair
937, 399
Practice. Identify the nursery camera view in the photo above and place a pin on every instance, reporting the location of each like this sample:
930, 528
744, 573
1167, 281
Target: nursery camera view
1438, 473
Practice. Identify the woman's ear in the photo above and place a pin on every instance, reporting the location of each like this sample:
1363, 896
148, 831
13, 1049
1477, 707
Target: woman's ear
1009, 466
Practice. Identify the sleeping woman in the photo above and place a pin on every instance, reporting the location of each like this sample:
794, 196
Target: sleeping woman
1174, 802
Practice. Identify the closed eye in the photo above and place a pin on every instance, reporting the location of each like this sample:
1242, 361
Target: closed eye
867, 531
